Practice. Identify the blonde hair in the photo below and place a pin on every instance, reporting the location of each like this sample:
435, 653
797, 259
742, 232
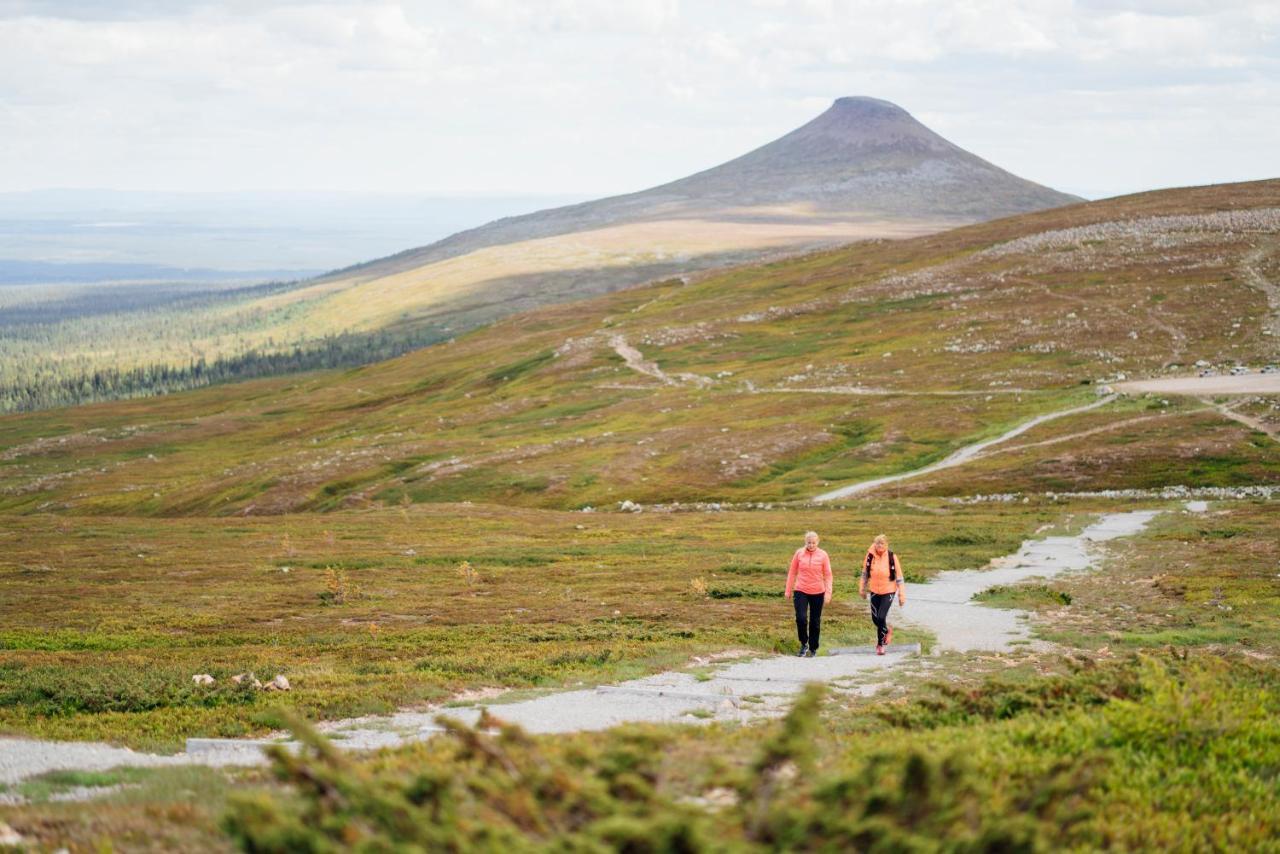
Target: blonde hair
814, 534
880, 538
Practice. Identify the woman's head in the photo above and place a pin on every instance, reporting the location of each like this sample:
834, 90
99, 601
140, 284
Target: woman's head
879, 544
811, 539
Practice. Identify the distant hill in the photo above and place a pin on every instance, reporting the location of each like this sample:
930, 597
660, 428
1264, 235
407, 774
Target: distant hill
863, 158
17, 271
770, 382
864, 169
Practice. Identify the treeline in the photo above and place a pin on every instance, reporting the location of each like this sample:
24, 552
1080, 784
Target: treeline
57, 384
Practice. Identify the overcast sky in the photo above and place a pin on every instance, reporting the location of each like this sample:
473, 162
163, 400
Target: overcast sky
579, 96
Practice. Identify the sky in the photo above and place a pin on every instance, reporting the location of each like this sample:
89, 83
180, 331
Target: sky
591, 97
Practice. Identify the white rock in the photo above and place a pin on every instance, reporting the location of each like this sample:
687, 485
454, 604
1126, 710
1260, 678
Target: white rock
202, 679
280, 683
10, 837
246, 679
630, 506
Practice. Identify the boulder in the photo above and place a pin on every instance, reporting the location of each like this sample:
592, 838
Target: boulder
246, 679
280, 683
202, 679
10, 837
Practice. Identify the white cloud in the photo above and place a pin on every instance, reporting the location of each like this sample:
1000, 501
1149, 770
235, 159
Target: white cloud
589, 95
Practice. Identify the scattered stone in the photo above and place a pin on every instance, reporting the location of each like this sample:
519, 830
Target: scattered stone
202, 679
10, 837
629, 506
246, 679
280, 683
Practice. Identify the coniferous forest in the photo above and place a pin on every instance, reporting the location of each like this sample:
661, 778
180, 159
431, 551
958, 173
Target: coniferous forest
63, 345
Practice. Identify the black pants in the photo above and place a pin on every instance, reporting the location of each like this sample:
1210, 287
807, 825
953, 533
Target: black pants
880, 603
808, 617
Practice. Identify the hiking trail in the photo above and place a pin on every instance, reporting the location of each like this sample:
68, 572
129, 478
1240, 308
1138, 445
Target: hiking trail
741, 690
966, 454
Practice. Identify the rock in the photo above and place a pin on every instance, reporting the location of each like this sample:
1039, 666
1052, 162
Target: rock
629, 506
246, 679
280, 683
10, 837
202, 679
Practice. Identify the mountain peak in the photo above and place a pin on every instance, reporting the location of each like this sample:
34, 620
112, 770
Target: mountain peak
866, 106
862, 158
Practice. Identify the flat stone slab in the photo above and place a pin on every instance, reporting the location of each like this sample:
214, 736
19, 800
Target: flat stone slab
891, 649
204, 745
662, 692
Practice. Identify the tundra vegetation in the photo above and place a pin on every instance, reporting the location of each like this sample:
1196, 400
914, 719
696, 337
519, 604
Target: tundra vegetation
399, 533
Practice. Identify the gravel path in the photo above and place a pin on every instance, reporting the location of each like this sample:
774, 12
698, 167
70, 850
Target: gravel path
1243, 384
960, 457
740, 690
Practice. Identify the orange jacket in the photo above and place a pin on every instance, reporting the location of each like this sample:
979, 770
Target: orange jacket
810, 572
879, 581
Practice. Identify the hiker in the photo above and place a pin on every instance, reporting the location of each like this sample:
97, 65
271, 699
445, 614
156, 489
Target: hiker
882, 577
809, 587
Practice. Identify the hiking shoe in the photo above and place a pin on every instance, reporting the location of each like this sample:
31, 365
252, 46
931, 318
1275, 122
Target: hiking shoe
879, 650
810, 653
888, 636
803, 651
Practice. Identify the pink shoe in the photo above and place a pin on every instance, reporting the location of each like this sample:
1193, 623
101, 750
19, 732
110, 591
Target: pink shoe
879, 650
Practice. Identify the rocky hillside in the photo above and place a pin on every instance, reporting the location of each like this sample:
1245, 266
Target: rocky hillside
765, 383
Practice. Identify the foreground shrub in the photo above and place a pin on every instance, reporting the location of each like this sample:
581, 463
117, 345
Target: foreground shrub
1157, 754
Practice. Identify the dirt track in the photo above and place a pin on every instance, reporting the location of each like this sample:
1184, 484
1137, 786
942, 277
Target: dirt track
1243, 384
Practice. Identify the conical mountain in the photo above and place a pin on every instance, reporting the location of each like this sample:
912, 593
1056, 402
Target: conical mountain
861, 159
872, 156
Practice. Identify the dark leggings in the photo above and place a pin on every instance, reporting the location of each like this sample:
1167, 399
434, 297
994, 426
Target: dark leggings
880, 603
808, 617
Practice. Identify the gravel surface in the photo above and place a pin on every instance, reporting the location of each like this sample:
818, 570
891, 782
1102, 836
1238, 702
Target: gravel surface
736, 691
1256, 383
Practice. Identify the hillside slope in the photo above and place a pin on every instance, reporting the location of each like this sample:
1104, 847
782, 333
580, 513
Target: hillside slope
862, 159
763, 383
863, 169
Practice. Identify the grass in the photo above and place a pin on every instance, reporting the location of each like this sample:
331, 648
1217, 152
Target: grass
319, 525
1153, 746
106, 620
1024, 596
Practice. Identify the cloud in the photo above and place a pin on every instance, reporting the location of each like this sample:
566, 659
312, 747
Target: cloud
588, 95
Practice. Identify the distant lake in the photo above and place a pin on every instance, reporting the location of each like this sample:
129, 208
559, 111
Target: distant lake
87, 235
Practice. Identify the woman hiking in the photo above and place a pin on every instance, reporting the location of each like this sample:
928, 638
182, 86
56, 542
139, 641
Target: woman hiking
809, 587
882, 576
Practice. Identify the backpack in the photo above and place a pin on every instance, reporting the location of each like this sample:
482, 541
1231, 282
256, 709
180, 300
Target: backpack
893, 566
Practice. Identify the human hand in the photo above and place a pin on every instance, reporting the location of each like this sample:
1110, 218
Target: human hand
902, 601
786, 595
862, 593
826, 600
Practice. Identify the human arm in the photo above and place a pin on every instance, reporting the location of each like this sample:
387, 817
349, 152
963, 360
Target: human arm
828, 579
864, 576
791, 573
902, 587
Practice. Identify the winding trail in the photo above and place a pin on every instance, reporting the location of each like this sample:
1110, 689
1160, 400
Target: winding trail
636, 361
740, 690
960, 457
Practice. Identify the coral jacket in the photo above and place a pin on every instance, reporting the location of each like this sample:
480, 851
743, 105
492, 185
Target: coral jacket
810, 572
